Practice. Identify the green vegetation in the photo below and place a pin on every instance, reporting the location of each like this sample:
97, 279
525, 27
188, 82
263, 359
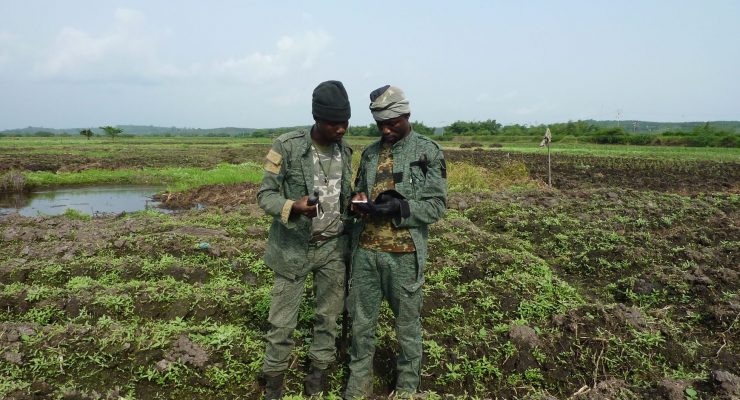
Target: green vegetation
704, 135
672, 153
530, 292
695, 134
111, 131
177, 179
88, 133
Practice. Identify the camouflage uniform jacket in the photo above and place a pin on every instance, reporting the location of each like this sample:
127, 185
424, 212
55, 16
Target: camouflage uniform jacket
423, 184
289, 175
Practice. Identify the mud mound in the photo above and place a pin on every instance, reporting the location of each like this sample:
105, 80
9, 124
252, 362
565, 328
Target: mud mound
586, 172
210, 196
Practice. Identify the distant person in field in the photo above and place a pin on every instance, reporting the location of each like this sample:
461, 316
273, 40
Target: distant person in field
307, 239
403, 181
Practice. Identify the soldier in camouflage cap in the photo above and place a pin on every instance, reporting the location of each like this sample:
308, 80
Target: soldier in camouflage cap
406, 174
307, 239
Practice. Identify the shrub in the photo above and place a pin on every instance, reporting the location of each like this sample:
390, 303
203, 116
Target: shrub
12, 182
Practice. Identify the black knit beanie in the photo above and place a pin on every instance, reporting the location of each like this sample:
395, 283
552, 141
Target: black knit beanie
330, 102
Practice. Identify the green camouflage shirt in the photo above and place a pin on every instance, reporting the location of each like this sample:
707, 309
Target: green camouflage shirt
289, 175
379, 233
420, 175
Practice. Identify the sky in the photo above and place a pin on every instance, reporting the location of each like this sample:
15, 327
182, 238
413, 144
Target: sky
254, 64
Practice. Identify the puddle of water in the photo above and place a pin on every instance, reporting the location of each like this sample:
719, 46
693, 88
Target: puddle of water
88, 200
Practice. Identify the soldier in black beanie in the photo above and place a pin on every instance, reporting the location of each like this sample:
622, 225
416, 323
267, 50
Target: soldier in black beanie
330, 102
306, 238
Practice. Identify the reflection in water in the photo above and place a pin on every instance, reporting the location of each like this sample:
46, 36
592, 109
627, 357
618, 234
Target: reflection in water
88, 200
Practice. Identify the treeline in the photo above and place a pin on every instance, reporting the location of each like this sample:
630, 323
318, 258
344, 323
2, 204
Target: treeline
701, 135
372, 129
359, 130
720, 134
129, 131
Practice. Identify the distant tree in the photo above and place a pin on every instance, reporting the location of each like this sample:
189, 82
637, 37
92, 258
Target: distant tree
487, 127
364, 130
111, 131
422, 129
88, 133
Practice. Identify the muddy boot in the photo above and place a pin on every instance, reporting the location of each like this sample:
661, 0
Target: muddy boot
273, 387
315, 382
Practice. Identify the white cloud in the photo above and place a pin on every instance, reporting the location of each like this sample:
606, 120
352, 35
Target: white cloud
291, 53
128, 52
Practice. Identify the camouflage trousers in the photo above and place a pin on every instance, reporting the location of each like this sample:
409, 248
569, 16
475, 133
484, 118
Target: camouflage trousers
377, 275
325, 260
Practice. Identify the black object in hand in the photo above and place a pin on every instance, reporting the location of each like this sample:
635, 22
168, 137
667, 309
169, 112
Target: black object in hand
390, 203
313, 199
364, 206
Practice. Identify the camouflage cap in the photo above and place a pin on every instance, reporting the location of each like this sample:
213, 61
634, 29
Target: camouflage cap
388, 102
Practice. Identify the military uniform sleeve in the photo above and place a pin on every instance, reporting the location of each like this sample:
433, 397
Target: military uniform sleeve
361, 178
431, 204
270, 196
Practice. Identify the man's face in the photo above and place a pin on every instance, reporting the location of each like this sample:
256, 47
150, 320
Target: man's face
394, 129
331, 131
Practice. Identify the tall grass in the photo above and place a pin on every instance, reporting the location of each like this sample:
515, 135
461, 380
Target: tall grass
465, 177
176, 178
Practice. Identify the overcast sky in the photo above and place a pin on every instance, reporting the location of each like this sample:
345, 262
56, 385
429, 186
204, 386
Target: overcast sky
206, 64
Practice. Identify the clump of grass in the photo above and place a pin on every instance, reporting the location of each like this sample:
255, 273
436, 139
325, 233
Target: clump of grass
12, 182
71, 213
465, 177
190, 178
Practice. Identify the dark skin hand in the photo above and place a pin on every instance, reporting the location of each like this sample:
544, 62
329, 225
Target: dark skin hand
301, 207
358, 197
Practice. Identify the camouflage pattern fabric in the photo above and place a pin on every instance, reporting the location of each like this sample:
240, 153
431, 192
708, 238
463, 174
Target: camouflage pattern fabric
391, 103
420, 175
328, 180
379, 233
424, 189
290, 175
377, 275
327, 265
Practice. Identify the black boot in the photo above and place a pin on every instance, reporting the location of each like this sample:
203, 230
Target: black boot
315, 382
273, 387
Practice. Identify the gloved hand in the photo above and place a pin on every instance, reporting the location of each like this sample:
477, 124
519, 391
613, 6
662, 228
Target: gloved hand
367, 207
390, 206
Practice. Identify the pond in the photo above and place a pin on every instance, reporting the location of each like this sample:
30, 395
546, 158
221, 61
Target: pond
88, 200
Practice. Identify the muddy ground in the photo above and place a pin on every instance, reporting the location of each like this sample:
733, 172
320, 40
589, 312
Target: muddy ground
568, 171
604, 289
583, 171
72, 160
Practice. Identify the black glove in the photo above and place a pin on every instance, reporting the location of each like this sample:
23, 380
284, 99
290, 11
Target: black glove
392, 207
366, 207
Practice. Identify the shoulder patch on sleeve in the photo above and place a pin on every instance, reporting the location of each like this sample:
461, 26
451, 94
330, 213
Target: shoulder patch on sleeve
274, 157
270, 167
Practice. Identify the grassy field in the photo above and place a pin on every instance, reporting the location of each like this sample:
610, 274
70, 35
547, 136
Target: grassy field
621, 282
